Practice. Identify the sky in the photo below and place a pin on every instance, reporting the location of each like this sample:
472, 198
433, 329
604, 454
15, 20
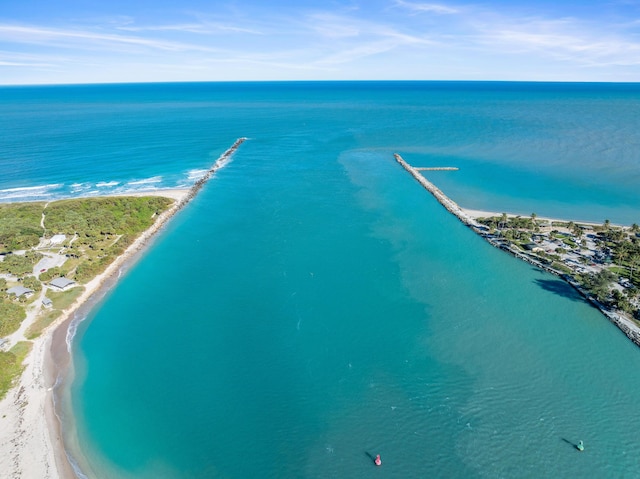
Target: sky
106, 41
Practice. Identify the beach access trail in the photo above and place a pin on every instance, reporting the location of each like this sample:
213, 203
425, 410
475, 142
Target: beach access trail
31, 445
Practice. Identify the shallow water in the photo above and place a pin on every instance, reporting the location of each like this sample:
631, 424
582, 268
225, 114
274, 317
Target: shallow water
314, 304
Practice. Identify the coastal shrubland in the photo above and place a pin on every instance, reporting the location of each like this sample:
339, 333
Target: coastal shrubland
42, 321
96, 231
20, 226
95, 218
11, 365
18, 264
11, 315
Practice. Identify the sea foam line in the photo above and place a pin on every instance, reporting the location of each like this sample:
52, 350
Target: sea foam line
29, 191
146, 181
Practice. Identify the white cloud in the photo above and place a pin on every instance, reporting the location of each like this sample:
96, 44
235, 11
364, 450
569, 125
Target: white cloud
427, 7
78, 38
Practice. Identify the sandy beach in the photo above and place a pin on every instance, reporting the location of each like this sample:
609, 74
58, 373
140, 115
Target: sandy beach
30, 437
475, 214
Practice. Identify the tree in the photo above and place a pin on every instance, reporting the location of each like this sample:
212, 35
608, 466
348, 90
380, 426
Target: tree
577, 231
598, 283
503, 220
32, 282
622, 252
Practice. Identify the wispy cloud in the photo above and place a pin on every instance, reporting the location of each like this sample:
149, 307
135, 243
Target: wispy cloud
427, 7
415, 37
565, 39
44, 36
205, 28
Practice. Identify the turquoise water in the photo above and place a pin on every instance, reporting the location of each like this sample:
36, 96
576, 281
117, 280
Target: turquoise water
314, 304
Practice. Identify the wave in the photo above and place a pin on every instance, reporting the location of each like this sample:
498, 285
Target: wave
42, 191
80, 187
146, 181
194, 175
107, 184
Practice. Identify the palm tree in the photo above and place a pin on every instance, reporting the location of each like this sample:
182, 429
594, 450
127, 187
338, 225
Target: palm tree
577, 231
606, 225
622, 252
503, 220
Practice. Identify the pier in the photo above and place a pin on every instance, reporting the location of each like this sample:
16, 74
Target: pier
625, 324
436, 168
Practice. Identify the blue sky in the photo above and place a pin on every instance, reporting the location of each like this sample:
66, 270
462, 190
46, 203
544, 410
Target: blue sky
88, 41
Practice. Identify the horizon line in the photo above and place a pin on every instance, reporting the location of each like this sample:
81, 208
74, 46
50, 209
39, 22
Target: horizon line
176, 82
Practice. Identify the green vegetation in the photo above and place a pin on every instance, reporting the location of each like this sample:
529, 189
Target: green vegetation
598, 284
11, 365
20, 226
32, 282
51, 273
104, 228
19, 265
617, 246
63, 299
11, 315
557, 265
100, 229
96, 217
44, 320
516, 223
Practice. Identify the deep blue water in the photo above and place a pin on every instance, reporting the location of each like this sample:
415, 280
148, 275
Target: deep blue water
314, 304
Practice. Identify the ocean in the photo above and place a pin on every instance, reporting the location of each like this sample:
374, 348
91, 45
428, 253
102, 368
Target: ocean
314, 306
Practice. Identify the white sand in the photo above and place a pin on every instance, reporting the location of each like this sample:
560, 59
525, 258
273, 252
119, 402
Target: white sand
475, 214
30, 439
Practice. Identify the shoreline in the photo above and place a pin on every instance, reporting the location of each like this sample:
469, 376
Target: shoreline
469, 218
31, 432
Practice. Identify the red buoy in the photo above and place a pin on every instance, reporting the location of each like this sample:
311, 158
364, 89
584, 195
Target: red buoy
377, 461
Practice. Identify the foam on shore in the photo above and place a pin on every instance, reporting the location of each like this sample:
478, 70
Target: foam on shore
31, 439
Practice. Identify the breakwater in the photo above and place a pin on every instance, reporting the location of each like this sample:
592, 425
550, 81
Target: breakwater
619, 318
443, 199
219, 163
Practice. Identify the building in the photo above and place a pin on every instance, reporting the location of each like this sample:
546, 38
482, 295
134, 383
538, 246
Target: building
62, 284
57, 240
46, 302
20, 291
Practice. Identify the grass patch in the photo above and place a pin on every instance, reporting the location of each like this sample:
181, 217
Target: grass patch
63, 299
11, 315
561, 267
619, 270
41, 323
11, 365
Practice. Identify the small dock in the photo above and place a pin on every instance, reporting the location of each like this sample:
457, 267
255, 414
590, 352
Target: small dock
451, 206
